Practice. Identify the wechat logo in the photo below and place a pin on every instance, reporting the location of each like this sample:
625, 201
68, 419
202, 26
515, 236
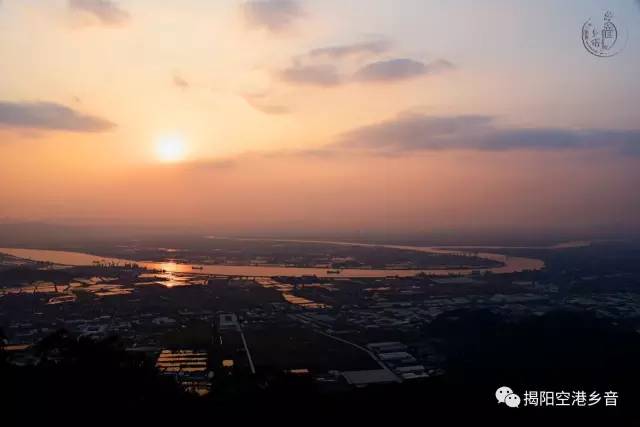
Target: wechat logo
508, 397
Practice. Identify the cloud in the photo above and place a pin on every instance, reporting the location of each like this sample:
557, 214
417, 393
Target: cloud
415, 132
105, 11
263, 103
180, 81
341, 51
329, 66
323, 66
440, 65
49, 116
316, 75
398, 69
273, 15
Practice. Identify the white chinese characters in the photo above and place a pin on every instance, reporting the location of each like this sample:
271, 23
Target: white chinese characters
546, 398
569, 398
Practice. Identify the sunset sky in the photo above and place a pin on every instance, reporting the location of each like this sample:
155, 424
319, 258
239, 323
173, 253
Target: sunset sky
321, 115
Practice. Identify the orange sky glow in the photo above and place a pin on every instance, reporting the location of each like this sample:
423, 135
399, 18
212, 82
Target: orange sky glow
301, 115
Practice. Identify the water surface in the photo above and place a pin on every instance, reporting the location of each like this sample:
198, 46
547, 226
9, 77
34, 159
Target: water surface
511, 264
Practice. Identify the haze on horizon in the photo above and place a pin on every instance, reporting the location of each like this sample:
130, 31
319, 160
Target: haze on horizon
318, 115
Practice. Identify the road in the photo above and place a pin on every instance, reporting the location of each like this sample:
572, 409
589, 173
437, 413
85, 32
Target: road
316, 329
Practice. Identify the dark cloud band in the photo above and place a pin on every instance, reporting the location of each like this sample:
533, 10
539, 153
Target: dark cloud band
49, 116
416, 132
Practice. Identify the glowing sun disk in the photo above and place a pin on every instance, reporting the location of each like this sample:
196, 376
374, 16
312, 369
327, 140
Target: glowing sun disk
171, 149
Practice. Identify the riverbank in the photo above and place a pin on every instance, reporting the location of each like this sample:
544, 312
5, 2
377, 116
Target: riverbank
509, 264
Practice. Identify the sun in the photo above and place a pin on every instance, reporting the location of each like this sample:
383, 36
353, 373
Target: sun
171, 149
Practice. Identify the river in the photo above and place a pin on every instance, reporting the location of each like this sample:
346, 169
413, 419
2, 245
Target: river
511, 264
